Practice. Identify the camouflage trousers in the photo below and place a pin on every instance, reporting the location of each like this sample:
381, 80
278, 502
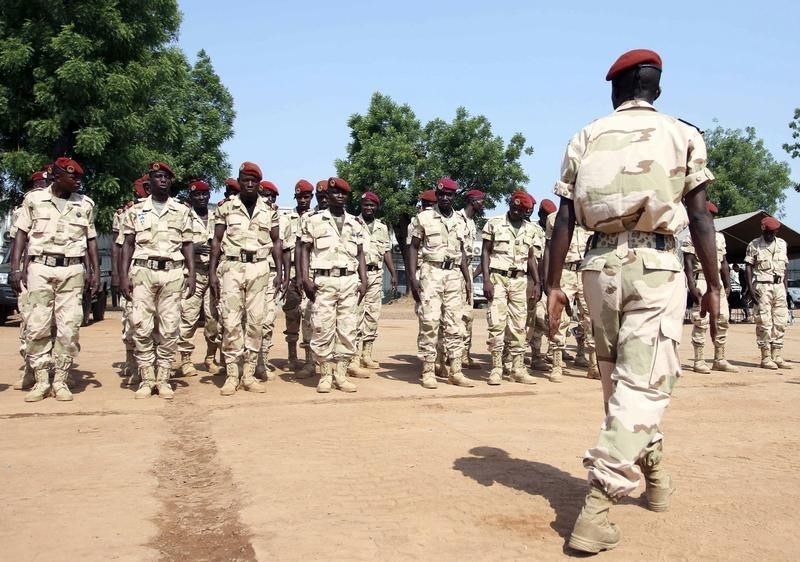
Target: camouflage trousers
536, 322
441, 304
156, 315
53, 293
298, 313
507, 313
127, 326
637, 303
190, 314
466, 315
270, 313
22, 306
243, 288
572, 285
771, 312
370, 308
701, 324
334, 318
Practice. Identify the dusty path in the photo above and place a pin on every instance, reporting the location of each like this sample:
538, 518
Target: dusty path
392, 472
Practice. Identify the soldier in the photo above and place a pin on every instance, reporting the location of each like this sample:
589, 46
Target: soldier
322, 195
474, 206
245, 231
56, 228
439, 235
201, 298
293, 305
427, 199
508, 261
537, 311
158, 246
377, 252
331, 249
27, 379
767, 282
627, 176
697, 287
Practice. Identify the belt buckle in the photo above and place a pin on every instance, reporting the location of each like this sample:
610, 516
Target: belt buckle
162, 265
447, 264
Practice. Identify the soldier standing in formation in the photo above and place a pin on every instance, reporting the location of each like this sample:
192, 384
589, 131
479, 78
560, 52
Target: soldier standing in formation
245, 232
627, 176
473, 206
438, 236
158, 246
333, 274
55, 230
508, 262
697, 287
767, 281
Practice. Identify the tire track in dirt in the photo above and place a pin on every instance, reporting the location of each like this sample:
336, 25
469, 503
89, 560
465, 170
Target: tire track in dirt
199, 519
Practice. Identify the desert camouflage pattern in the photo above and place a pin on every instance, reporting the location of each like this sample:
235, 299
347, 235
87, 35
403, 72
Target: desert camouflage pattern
158, 236
467, 315
700, 324
442, 238
243, 232
334, 319
201, 299
376, 244
329, 249
243, 288
536, 321
270, 312
156, 310
53, 293
124, 304
293, 306
51, 231
769, 261
630, 171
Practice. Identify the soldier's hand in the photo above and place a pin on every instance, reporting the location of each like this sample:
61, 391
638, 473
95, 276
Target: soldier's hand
697, 295
213, 282
15, 280
557, 302
362, 290
394, 282
727, 291
310, 289
125, 287
488, 290
415, 290
94, 282
537, 293
278, 285
710, 305
190, 287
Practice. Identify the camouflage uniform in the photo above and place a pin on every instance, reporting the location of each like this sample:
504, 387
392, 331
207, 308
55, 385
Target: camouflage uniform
769, 263
466, 315
376, 244
701, 323
508, 272
296, 307
202, 231
130, 371
270, 303
536, 321
57, 243
244, 276
627, 174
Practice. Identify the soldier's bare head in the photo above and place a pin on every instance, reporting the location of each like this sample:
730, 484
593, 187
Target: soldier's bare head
637, 83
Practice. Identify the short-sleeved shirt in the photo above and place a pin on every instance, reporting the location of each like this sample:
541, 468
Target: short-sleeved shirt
286, 236
53, 231
202, 232
577, 245
510, 246
687, 247
243, 232
472, 234
768, 260
330, 248
376, 241
631, 169
441, 238
158, 236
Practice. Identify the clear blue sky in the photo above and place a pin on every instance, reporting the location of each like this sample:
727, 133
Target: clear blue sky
297, 70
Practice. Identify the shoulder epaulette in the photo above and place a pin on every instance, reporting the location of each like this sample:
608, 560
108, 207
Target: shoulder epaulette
691, 125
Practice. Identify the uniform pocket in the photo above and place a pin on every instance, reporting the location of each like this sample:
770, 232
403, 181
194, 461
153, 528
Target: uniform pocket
656, 260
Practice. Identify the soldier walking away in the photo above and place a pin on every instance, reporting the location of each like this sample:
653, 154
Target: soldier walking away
333, 274
627, 177
767, 282
158, 245
245, 232
55, 227
697, 287
438, 237
508, 261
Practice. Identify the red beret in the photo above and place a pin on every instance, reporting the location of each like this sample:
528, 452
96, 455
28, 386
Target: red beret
446, 184
547, 206
634, 58
522, 199
340, 183
303, 186
138, 186
38, 176
322, 185
370, 196
475, 193
428, 196
198, 185
266, 184
160, 166
233, 184
770, 223
712, 208
69, 165
250, 169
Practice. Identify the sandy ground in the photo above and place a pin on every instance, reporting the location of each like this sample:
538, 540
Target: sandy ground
391, 472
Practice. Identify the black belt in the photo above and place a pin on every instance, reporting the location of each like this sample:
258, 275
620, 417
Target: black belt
572, 266
334, 272
636, 239
446, 264
56, 260
698, 276
246, 257
511, 273
159, 264
776, 279
371, 267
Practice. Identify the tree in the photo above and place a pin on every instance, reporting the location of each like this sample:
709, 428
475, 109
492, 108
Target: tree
748, 177
98, 80
794, 148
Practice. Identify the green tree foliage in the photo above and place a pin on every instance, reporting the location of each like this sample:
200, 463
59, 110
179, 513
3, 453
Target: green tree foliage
101, 81
748, 177
793, 148
392, 155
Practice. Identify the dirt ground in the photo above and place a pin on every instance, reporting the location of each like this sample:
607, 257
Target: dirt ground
391, 472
